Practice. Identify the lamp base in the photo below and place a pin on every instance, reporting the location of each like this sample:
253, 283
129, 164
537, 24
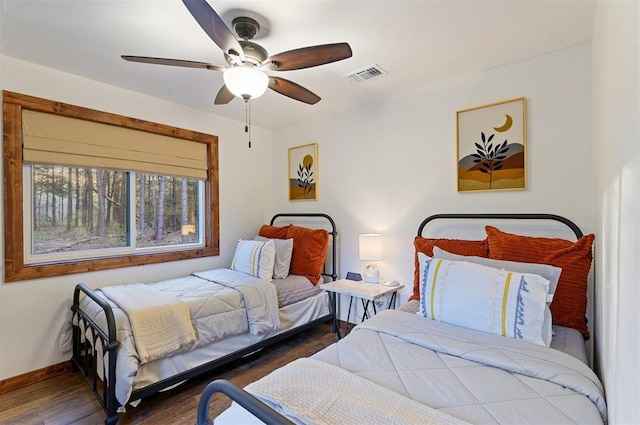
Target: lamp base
371, 273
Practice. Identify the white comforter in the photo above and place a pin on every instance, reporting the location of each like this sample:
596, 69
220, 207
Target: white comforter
305, 390
222, 303
477, 377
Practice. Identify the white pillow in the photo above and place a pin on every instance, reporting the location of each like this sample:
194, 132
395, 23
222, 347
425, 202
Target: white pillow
484, 298
549, 272
284, 250
547, 326
255, 258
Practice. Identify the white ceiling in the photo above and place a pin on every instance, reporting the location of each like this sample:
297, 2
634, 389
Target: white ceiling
419, 43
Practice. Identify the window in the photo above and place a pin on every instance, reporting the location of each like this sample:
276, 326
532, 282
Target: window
75, 213
102, 191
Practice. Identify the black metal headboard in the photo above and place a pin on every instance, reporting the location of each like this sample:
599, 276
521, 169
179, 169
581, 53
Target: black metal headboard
515, 216
333, 233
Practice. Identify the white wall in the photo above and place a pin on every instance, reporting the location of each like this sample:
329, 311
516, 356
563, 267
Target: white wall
386, 166
32, 312
616, 164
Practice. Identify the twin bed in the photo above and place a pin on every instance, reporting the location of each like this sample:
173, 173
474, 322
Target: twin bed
494, 333
130, 341
475, 343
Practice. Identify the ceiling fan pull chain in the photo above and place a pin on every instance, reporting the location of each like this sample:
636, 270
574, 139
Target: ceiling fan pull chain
247, 119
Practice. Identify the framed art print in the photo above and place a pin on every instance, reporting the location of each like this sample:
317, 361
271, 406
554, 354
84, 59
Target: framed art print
492, 146
303, 173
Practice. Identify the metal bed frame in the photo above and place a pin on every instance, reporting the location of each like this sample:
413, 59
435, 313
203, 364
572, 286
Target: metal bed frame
270, 416
85, 355
501, 216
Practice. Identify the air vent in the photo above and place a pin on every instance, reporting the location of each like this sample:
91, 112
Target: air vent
366, 74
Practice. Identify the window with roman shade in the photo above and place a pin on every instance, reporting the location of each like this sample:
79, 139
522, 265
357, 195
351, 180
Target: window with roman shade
76, 183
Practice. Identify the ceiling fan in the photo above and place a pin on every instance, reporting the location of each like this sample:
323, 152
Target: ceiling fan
246, 77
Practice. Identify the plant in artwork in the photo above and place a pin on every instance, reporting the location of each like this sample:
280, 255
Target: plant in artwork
489, 157
305, 175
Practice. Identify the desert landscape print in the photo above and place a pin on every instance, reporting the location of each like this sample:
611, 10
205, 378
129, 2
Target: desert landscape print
491, 147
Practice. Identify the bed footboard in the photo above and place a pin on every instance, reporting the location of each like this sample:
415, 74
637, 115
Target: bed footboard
97, 367
240, 396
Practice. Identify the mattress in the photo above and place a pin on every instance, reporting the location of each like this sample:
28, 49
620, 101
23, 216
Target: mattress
294, 288
570, 341
470, 375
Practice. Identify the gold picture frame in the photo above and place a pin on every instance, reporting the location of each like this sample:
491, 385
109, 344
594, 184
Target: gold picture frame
491, 146
303, 172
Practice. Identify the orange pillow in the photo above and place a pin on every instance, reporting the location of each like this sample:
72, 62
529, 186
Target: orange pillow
569, 304
456, 246
310, 247
274, 232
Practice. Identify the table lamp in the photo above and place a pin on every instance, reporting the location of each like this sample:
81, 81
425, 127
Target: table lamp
370, 249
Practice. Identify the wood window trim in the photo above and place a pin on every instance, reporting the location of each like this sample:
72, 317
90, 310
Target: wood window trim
15, 269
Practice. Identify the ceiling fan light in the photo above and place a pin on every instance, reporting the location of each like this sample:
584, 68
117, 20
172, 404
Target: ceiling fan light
245, 81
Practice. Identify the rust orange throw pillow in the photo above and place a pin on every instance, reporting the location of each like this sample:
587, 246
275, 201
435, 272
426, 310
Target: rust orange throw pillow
569, 304
274, 232
309, 250
456, 246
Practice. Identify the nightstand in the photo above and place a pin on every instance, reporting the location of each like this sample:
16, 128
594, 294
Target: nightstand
368, 293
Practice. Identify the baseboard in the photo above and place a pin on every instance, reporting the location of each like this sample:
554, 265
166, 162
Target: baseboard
32, 377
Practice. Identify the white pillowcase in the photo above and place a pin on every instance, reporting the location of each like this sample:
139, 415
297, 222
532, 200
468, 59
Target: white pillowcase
549, 272
255, 258
284, 250
484, 298
547, 326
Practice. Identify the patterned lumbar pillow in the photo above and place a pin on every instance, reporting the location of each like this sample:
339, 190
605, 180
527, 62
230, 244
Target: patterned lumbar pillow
255, 258
484, 298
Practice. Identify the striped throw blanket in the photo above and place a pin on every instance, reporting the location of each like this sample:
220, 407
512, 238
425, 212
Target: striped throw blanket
161, 323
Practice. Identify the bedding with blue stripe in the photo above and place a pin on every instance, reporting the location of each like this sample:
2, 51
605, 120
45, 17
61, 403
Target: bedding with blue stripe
222, 303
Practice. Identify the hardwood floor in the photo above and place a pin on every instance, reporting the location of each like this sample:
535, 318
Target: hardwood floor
67, 399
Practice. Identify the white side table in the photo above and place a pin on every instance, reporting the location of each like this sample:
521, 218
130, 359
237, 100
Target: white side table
367, 292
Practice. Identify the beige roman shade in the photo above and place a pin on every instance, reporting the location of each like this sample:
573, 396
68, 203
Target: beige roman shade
57, 140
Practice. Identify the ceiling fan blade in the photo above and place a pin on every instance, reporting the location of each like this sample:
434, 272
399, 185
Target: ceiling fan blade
293, 90
224, 96
173, 62
307, 57
215, 27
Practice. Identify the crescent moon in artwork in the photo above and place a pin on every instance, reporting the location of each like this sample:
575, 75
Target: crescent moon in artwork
506, 126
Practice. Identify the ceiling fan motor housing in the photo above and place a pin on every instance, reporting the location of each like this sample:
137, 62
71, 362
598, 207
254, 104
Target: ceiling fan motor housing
254, 54
245, 27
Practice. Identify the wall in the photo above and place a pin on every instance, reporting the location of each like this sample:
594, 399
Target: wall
616, 164
386, 166
32, 312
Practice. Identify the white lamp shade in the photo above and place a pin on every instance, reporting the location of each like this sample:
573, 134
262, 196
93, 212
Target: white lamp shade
245, 81
370, 247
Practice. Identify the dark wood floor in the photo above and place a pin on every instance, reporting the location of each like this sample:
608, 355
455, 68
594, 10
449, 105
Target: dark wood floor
68, 400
